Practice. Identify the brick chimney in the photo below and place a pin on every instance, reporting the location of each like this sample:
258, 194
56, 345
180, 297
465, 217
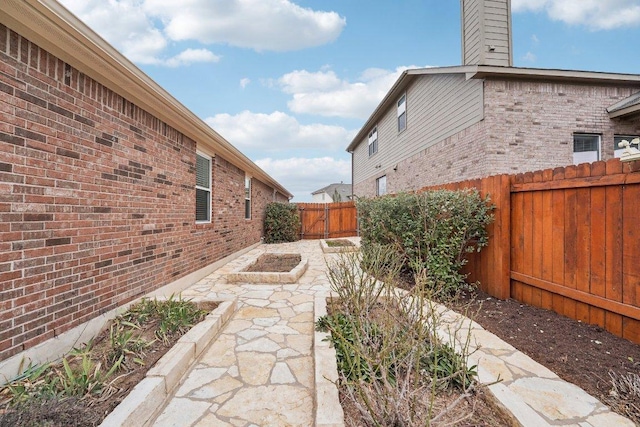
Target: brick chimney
486, 32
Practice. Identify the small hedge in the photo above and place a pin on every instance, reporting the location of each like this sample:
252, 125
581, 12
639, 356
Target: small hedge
432, 231
281, 223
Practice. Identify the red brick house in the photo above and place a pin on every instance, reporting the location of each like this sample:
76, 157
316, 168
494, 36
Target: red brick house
109, 188
486, 117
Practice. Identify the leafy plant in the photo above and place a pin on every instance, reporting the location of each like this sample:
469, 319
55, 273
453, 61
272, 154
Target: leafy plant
173, 315
281, 223
84, 372
431, 231
124, 343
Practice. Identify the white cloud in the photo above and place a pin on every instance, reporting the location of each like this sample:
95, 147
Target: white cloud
595, 14
191, 56
534, 39
278, 131
143, 29
325, 94
529, 57
276, 25
244, 82
123, 24
302, 176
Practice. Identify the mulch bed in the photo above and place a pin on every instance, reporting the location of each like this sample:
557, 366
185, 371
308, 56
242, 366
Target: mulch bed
91, 410
577, 352
275, 263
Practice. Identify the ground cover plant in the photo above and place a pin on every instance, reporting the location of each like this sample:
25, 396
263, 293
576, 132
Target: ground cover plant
82, 388
394, 370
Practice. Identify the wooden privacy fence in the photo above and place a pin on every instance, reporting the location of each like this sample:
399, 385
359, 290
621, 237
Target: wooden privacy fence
566, 239
327, 220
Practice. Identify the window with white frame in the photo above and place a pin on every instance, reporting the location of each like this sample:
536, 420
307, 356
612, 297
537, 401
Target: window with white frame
617, 139
402, 113
381, 186
586, 148
247, 197
203, 188
373, 141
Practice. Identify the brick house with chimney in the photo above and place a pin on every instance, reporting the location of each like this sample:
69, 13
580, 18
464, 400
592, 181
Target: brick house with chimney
486, 117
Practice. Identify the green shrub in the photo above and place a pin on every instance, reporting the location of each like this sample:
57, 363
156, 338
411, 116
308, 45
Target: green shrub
432, 231
281, 223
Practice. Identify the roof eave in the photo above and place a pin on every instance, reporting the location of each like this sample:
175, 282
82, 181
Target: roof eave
52, 27
625, 112
487, 71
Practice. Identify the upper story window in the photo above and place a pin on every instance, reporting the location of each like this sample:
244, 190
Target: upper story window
373, 141
586, 148
402, 113
203, 188
381, 186
247, 197
617, 151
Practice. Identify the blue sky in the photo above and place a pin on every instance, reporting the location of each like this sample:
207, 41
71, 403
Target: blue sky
290, 82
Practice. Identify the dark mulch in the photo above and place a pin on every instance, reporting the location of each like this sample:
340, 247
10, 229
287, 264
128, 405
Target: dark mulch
275, 263
577, 352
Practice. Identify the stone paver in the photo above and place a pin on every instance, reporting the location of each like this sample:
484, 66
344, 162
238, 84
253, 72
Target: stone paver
260, 370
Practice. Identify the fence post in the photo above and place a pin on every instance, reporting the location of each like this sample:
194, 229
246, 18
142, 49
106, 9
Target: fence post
326, 220
500, 284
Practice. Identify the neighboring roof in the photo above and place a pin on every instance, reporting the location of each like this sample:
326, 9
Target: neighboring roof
52, 27
343, 189
487, 71
627, 107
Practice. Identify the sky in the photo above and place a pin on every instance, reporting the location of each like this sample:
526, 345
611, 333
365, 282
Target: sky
290, 82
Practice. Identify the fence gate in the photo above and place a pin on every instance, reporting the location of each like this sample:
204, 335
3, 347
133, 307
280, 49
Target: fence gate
327, 220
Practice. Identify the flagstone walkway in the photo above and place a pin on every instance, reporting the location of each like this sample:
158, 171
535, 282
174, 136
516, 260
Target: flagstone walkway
260, 370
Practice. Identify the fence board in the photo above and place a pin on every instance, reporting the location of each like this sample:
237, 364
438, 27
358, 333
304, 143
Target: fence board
327, 220
565, 239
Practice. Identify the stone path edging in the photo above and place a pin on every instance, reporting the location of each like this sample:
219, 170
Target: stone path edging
328, 410
148, 397
533, 395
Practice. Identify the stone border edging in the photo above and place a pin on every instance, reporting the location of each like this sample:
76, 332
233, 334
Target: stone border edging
337, 249
531, 394
142, 404
328, 410
239, 275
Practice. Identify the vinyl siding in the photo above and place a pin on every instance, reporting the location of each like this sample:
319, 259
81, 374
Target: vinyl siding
486, 23
497, 32
438, 106
471, 37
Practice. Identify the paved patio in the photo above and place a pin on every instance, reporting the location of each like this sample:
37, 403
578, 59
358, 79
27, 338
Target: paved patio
261, 371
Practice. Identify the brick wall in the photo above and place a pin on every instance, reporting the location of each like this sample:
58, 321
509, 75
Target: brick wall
530, 125
97, 199
527, 126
